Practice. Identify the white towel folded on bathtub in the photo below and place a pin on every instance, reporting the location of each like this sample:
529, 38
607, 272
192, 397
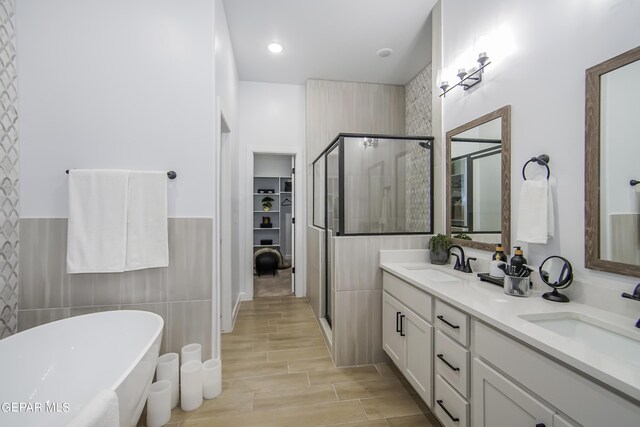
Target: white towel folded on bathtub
147, 229
97, 227
101, 411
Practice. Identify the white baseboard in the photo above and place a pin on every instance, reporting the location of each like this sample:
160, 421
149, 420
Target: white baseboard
236, 308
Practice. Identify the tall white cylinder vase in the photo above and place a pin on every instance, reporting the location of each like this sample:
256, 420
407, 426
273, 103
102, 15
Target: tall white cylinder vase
159, 404
169, 369
211, 378
191, 385
191, 352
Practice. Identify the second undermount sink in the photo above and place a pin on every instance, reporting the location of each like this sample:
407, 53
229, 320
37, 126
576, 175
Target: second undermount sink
600, 336
427, 273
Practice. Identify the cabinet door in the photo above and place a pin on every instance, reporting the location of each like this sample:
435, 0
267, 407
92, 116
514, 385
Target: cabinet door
392, 341
498, 402
419, 354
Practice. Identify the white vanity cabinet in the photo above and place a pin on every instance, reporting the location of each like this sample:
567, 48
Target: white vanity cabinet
483, 377
408, 338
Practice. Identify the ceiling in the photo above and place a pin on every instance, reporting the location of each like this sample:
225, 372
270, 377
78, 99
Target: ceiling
330, 39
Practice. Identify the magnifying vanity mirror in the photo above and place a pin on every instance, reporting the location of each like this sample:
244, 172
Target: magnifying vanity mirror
612, 189
556, 272
478, 181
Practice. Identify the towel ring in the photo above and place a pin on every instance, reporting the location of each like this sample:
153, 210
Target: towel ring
542, 160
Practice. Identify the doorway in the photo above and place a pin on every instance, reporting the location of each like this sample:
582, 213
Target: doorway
273, 212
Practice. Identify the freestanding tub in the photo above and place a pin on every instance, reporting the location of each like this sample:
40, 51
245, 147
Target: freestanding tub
61, 366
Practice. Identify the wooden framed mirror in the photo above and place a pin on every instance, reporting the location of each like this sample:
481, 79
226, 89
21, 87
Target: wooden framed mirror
612, 175
478, 182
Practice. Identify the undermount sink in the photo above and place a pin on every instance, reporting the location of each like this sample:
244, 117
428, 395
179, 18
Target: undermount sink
600, 336
427, 273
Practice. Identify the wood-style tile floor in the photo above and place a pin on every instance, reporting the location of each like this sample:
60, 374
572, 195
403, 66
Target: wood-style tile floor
276, 371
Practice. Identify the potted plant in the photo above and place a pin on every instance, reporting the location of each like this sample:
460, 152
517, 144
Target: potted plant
438, 249
266, 204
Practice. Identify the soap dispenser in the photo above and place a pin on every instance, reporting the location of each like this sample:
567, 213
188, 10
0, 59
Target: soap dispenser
499, 254
517, 260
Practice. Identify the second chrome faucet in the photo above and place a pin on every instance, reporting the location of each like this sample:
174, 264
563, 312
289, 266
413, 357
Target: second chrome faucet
461, 264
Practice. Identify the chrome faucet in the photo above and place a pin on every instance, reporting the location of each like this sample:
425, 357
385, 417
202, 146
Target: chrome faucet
635, 296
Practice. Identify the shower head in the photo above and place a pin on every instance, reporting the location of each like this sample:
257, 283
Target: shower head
425, 144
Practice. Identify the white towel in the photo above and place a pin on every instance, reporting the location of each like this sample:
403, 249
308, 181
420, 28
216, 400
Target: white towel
101, 411
536, 222
147, 235
97, 228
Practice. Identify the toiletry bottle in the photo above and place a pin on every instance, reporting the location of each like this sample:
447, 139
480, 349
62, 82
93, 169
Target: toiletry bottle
517, 260
499, 254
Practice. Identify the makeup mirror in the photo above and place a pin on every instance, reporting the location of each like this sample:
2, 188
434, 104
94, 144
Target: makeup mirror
556, 272
478, 181
612, 188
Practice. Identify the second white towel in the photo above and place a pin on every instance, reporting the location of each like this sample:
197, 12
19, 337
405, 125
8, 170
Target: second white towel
536, 222
147, 228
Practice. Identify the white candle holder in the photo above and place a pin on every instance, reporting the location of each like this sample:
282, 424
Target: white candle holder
191, 385
159, 404
211, 378
191, 352
169, 369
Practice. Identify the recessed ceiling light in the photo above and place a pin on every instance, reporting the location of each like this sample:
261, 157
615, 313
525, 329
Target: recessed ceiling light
383, 53
275, 47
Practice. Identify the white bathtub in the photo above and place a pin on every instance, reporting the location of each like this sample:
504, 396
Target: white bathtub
66, 363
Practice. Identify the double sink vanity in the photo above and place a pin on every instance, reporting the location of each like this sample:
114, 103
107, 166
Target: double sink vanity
480, 358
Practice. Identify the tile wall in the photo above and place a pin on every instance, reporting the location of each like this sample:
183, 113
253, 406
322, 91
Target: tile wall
181, 293
9, 176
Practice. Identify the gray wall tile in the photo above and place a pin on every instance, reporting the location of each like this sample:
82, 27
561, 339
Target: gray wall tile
190, 322
81, 311
191, 257
31, 318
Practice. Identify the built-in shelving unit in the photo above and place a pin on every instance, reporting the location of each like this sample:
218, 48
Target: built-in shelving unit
277, 216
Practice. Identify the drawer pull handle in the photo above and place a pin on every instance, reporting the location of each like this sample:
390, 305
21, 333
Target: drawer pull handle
448, 323
397, 321
446, 362
454, 419
401, 325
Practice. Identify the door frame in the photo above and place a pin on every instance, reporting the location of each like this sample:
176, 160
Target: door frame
299, 226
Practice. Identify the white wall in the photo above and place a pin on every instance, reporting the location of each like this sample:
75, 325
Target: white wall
115, 84
271, 119
271, 165
539, 53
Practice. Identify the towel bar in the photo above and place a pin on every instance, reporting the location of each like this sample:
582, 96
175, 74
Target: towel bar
542, 160
170, 174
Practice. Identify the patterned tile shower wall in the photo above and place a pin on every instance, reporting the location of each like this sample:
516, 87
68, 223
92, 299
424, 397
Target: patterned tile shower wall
9, 177
418, 122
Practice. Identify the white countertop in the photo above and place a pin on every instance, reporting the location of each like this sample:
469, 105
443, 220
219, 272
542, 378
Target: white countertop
488, 303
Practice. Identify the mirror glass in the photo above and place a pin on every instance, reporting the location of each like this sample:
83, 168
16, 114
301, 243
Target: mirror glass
556, 272
475, 182
478, 187
612, 190
619, 155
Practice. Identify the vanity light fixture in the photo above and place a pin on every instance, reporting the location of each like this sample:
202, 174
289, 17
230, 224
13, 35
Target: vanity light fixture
275, 47
369, 142
468, 79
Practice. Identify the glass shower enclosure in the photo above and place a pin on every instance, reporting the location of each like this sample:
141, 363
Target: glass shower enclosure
372, 185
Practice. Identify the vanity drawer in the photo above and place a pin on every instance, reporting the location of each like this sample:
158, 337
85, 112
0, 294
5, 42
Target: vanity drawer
452, 363
452, 322
450, 408
420, 302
